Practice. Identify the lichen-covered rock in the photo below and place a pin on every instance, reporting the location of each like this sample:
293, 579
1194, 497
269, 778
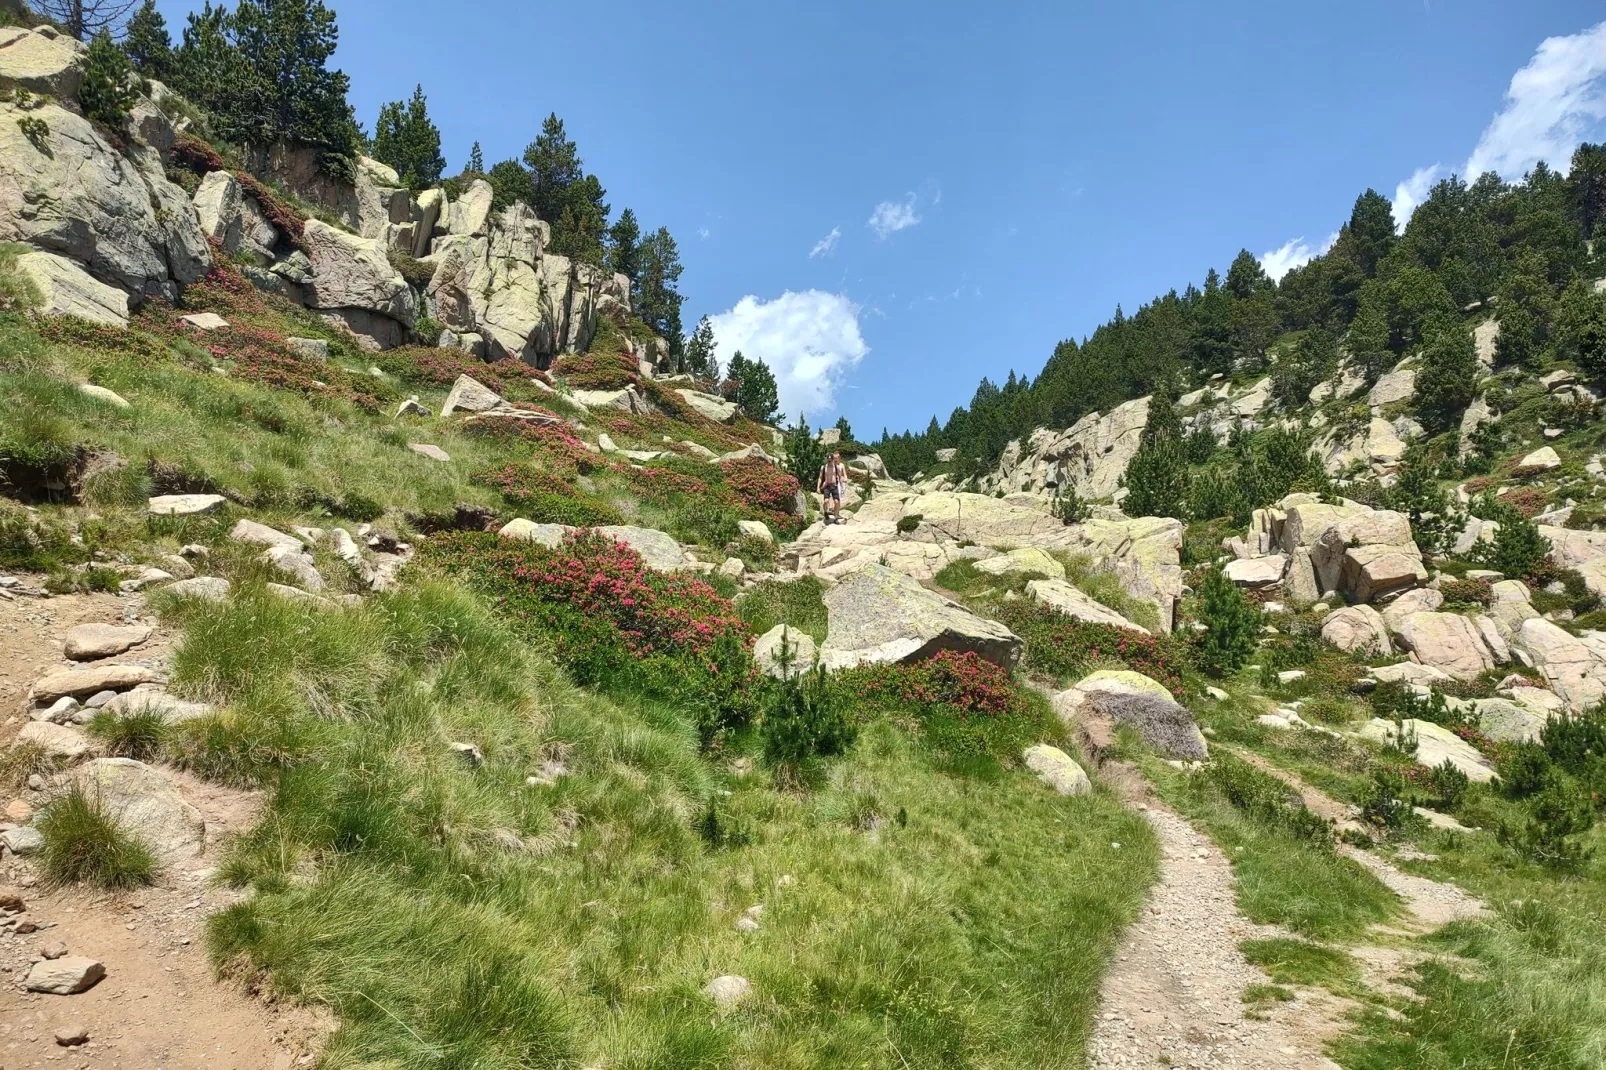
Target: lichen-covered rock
658, 549
42, 60
232, 218
1543, 459
1575, 670
1134, 699
148, 806
1446, 641
878, 615
801, 651
1027, 559
1358, 630
66, 289
1435, 746
1058, 770
349, 272
1064, 598
1091, 456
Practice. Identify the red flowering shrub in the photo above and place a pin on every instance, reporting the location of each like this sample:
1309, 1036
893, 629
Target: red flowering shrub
761, 486
194, 154
964, 705
1063, 646
71, 331
224, 290
611, 620
1529, 501
597, 371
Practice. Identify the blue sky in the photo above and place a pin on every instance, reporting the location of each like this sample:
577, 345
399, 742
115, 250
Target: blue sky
977, 182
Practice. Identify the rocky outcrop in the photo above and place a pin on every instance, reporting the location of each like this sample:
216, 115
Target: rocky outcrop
1574, 667
1358, 630
233, 219
42, 60
66, 289
1446, 641
1435, 745
65, 189
352, 281
1091, 456
878, 615
1063, 598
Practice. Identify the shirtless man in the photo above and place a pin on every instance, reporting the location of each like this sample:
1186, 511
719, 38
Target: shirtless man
833, 474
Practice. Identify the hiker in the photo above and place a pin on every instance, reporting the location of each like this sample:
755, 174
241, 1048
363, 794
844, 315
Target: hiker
832, 475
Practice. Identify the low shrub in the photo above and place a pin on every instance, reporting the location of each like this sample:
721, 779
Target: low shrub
907, 524
806, 717
1263, 796
138, 735
1551, 834
612, 621
1467, 592
1232, 625
964, 704
1385, 803
597, 370
797, 603
1062, 646
84, 843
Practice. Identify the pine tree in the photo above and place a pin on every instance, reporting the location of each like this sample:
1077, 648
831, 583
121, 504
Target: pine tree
1232, 625
1246, 278
476, 160
658, 300
564, 195
1371, 230
804, 456
1581, 328
754, 388
509, 182
624, 241
1588, 186
406, 139
700, 359
1156, 480
844, 429
1368, 339
147, 43
1448, 379
108, 89
85, 19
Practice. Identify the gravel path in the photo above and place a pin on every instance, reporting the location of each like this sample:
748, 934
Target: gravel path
1175, 990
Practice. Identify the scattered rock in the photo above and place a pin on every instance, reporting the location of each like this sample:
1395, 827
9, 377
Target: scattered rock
148, 806
58, 712
1064, 598
65, 976
658, 549
53, 950
425, 449
184, 504
70, 1036
732, 568
469, 395
205, 321
1446, 641
22, 841
1134, 699
412, 407
1435, 745
470, 753
90, 679
755, 529
88, 642
57, 740
205, 588
316, 348
100, 393
1358, 630
767, 651
1543, 459
1058, 770
728, 991
549, 535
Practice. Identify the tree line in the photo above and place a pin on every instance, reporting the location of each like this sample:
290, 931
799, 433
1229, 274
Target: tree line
1371, 298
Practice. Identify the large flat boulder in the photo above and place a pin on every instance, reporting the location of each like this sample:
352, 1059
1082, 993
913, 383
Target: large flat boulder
1435, 746
89, 680
56, 740
1256, 572
879, 616
1574, 669
710, 405
1446, 641
1064, 598
470, 395
89, 642
1367, 555
43, 60
1028, 560
1134, 699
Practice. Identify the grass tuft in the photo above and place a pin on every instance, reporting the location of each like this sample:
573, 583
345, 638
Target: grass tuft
83, 842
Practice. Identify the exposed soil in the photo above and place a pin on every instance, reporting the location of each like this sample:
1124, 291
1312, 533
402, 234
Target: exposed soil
159, 1005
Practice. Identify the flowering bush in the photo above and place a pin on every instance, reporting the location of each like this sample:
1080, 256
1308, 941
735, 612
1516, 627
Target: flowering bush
610, 619
598, 371
224, 289
545, 496
761, 486
1059, 645
197, 156
965, 705
551, 445
69, 330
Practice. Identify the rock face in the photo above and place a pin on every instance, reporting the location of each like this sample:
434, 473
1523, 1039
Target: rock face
1575, 669
73, 194
1090, 456
878, 615
1446, 641
44, 61
352, 278
147, 805
233, 219
66, 289
1134, 699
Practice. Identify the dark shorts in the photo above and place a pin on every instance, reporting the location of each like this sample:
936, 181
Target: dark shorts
833, 491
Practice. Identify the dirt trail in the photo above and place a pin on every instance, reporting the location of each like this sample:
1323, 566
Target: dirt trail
1174, 994
158, 1005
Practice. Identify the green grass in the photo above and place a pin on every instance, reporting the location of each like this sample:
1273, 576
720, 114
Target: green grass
140, 735
83, 842
458, 916
1283, 878
798, 604
1301, 963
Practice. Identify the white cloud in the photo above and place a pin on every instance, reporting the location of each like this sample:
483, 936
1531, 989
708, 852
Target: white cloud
890, 217
1550, 105
810, 340
826, 245
1412, 192
1291, 254
702, 232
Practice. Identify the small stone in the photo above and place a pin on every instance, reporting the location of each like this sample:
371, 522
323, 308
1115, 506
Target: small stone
53, 950
70, 1036
316, 348
205, 321
11, 900
1217, 694
184, 505
746, 924
100, 393
18, 811
728, 990
64, 976
425, 449
412, 407
23, 841
470, 753
99, 699
58, 712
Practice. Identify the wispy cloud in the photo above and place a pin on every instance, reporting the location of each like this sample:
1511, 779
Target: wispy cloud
1291, 254
826, 245
889, 217
1552, 103
810, 340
